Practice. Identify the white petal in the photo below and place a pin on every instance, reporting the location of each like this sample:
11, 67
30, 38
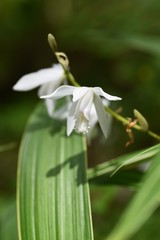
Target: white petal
93, 114
101, 115
50, 105
79, 92
94, 120
85, 104
109, 97
71, 119
93, 117
33, 80
60, 92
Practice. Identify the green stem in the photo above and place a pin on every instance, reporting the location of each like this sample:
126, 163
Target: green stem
126, 122
71, 78
121, 118
154, 135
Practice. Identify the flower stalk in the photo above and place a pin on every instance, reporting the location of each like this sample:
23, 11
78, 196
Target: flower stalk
117, 116
125, 121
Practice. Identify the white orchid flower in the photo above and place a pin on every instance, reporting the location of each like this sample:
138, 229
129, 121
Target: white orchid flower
48, 79
79, 116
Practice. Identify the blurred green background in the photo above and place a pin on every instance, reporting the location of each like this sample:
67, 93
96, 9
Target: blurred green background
111, 44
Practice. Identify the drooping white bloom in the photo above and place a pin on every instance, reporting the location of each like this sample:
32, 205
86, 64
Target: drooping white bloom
48, 79
79, 115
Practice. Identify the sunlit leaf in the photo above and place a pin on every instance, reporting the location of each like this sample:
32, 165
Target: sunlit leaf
53, 194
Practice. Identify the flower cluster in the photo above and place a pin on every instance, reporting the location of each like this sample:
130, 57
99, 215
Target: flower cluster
83, 110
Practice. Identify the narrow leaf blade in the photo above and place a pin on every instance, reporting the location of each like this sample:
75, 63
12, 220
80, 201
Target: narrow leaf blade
111, 167
142, 206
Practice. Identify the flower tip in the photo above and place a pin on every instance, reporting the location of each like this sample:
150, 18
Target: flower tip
42, 97
117, 99
52, 42
141, 120
46, 96
16, 87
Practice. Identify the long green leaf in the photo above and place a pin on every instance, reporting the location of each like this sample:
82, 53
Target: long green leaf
127, 160
53, 195
142, 206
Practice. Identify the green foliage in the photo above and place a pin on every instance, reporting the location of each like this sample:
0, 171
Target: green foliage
53, 197
142, 206
110, 168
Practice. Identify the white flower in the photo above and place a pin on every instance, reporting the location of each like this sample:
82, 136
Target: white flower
47, 79
79, 116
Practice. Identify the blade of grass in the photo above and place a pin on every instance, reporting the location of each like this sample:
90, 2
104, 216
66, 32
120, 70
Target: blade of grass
142, 206
127, 160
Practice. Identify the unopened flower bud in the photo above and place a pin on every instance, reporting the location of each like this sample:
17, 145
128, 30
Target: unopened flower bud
52, 42
141, 120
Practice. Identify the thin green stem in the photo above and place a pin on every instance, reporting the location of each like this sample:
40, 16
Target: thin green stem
126, 122
71, 78
154, 135
121, 118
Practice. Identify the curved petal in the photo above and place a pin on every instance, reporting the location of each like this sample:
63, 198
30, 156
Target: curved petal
35, 79
109, 97
93, 114
93, 117
79, 92
71, 118
102, 118
92, 123
85, 104
60, 92
50, 105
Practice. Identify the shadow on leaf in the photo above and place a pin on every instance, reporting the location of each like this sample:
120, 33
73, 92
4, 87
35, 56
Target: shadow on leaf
75, 161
